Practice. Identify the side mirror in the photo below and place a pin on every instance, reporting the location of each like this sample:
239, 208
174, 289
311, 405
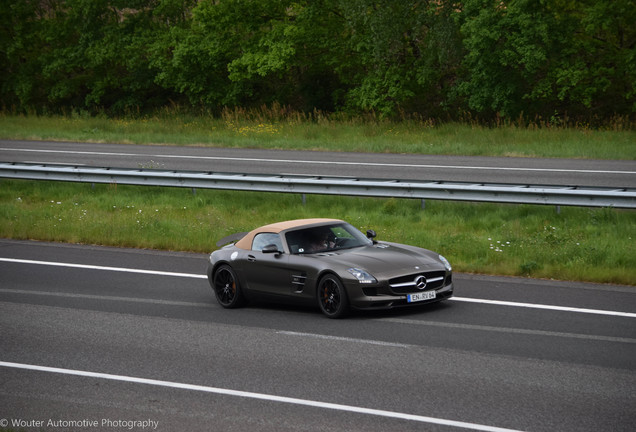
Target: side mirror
271, 249
371, 235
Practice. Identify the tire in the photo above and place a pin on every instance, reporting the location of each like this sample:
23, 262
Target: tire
332, 297
227, 288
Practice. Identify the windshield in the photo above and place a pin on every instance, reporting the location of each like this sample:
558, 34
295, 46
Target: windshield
325, 238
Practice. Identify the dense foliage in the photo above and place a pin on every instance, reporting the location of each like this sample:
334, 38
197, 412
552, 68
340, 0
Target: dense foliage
551, 59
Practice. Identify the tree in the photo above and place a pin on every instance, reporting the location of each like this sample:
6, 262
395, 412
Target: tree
24, 43
542, 57
433, 58
403, 55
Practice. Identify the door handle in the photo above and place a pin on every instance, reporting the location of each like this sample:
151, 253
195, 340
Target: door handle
251, 258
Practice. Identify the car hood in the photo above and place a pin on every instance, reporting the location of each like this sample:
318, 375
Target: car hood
385, 258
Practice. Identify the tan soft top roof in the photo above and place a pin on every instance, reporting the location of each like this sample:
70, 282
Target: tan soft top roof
246, 242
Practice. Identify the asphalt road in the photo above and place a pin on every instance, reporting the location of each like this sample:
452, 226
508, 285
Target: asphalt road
572, 172
111, 336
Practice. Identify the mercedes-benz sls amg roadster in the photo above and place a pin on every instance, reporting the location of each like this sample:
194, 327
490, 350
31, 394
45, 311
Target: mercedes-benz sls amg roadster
325, 262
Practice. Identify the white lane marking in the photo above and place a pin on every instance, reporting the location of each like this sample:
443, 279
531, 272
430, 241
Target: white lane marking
336, 338
509, 330
344, 339
546, 307
56, 163
322, 162
95, 267
199, 276
259, 396
106, 298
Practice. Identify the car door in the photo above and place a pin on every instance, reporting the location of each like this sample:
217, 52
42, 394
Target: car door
267, 272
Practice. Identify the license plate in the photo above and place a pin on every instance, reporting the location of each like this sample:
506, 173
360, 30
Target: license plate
426, 295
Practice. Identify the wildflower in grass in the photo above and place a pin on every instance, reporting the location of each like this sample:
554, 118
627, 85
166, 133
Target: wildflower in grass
499, 245
260, 129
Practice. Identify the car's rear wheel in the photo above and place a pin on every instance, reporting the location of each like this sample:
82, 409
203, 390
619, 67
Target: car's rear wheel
332, 297
227, 288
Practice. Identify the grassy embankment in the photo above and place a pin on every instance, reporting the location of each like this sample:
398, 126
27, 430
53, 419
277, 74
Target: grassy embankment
271, 129
577, 244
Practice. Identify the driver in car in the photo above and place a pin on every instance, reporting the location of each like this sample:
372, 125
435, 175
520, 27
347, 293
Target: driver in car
321, 241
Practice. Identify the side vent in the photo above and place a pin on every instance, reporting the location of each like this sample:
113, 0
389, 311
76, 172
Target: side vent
298, 282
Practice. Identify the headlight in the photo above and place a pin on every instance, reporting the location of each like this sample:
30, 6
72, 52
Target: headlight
446, 263
362, 275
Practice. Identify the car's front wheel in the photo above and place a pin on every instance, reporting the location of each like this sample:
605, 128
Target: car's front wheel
227, 288
332, 297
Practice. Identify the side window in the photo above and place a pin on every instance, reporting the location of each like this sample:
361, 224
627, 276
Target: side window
264, 239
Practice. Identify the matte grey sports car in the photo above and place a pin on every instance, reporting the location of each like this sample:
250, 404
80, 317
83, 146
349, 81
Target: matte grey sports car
328, 262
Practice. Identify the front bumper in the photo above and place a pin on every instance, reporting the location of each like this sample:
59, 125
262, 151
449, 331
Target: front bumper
374, 297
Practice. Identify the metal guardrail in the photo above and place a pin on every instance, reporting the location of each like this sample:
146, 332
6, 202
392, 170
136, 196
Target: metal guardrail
302, 184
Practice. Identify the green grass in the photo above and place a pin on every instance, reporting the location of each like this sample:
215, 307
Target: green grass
273, 130
584, 244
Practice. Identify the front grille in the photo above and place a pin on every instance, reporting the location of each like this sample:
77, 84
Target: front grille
409, 283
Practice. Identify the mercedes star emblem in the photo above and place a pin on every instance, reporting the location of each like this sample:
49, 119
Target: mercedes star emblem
420, 282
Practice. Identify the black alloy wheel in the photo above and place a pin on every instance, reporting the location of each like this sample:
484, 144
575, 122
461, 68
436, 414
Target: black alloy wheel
227, 288
332, 297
